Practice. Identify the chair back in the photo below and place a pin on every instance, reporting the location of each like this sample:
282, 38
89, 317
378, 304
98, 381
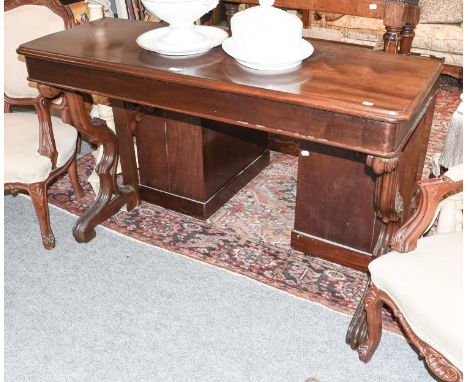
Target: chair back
374, 9
26, 20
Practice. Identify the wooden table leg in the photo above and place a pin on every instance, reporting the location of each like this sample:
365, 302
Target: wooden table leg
412, 15
394, 193
393, 19
125, 124
111, 197
389, 208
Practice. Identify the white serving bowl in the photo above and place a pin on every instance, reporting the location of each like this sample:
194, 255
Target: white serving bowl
181, 15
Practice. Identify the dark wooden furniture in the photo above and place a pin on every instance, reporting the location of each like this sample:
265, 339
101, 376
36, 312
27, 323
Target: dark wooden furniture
189, 164
47, 145
432, 192
366, 115
399, 17
363, 115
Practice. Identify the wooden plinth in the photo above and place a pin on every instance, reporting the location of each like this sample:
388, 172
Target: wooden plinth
318, 247
194, 166
200, 209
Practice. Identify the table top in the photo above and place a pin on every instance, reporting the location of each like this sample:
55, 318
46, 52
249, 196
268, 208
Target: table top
345, 79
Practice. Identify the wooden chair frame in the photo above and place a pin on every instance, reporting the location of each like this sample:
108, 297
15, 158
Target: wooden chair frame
432, 192
43, 104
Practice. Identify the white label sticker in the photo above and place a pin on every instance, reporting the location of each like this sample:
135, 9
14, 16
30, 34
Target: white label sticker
304, 153
373, 6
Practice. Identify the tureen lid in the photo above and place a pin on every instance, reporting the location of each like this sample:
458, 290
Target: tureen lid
265, 15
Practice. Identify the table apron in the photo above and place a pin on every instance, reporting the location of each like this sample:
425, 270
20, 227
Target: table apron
359, 134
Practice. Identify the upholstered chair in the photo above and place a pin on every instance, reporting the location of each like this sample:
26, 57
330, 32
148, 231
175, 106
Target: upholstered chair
423, 286
38, 147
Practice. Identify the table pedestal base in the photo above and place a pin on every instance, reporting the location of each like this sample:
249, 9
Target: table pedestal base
192, 165
204, 209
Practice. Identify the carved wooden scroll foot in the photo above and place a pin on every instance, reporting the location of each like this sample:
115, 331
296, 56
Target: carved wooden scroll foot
357, 330
38, 194
437, 363
111, 196
388, 205
373, 307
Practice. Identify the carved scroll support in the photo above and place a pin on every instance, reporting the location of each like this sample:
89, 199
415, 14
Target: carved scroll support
388, 202
374, 300
111, 197
388, 205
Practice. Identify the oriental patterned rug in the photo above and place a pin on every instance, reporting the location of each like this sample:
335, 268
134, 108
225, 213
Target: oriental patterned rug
250, 234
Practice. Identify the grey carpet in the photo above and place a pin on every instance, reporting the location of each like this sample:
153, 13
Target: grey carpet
117, 310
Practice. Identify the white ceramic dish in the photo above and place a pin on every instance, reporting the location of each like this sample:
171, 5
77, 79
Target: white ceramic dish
181, 15
154, 41
268, 63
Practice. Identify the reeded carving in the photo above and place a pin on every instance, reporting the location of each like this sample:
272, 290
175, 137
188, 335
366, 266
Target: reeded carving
438, 364
387, 200
381, 165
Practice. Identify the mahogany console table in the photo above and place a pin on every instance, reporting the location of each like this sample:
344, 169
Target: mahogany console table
363, 117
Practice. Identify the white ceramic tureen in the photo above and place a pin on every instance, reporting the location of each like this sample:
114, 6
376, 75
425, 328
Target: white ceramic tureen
182, 37
267, 38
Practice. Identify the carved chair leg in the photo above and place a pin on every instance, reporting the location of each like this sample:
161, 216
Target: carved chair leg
73, 175
6, 107
407, 36
373, 306
38, 194
357, 330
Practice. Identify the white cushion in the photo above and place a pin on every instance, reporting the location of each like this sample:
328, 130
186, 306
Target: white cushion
23, 24
22, 161
455, 173
426, 285
440, 40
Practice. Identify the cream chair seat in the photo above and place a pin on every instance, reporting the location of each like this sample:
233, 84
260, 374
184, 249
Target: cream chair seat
423, 287
38, 147
24, 164
429, 290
